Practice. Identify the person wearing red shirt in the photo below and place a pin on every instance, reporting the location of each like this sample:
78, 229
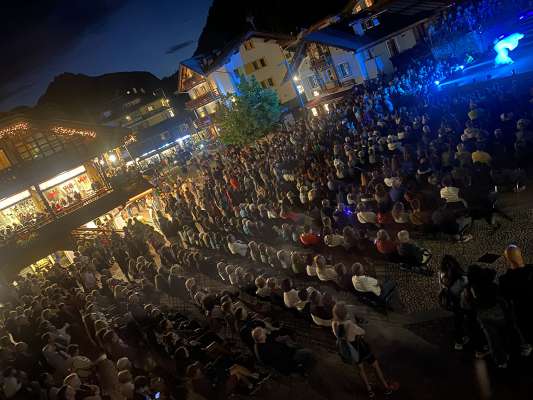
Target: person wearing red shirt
309, 238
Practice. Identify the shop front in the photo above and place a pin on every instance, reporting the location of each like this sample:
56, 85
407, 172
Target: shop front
21, 209
69, 188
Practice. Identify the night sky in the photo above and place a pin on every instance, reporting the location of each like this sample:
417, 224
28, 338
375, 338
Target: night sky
43, 38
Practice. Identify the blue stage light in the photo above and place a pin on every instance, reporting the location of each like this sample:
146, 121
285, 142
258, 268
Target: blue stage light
437, 83
503, 46
461, 67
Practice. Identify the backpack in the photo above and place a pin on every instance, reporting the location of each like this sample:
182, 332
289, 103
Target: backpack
347, 352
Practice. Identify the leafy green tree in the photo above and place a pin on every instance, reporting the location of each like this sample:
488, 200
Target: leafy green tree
249, 114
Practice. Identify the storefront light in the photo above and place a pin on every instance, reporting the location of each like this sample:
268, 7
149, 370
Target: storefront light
65, 176
9, 201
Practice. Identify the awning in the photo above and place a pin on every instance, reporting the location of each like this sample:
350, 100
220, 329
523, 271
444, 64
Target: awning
328, 97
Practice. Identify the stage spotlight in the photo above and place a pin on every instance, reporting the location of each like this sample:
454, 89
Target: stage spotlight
504, 45
461, 67
437, 83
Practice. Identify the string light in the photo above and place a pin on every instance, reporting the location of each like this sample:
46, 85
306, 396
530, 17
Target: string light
13, 129
61, 130
131, 138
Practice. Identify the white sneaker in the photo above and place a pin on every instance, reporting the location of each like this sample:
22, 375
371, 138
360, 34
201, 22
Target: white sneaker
458, 346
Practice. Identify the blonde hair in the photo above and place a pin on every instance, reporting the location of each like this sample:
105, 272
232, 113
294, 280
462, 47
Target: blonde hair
513, 254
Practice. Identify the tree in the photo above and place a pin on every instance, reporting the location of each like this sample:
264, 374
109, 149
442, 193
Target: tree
249, 114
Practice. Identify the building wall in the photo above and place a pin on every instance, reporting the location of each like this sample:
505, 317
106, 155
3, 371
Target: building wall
341, 56
304, 73
378, 57
275, 68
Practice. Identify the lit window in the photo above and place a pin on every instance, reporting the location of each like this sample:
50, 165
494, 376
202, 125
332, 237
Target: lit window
4, 161
369, 3
326, 107
316, 93
128, 118
171, 113
300, 88
150, 108
314, 111
248, 45
295, 79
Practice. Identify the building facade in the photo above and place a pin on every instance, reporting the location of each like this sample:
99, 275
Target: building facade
206, 78
55, 176
330, 60
151, 119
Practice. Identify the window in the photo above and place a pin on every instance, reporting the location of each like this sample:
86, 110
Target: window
313, 81
344, 70
393, 47
150, 108
267, 83
38, 146
4, 161
262, 62
329, 75
300, 89
248, 45
369, 3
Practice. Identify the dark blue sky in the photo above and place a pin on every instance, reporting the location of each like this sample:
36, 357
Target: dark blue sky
92, 37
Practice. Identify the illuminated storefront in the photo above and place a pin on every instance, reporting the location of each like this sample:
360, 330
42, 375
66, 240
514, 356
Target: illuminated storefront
20, 209
68, 187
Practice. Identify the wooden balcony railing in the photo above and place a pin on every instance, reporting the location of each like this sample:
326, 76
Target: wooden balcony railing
203, 122
191, 82
202, 100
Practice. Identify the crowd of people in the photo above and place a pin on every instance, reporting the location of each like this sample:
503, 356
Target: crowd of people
474, 16
284, 225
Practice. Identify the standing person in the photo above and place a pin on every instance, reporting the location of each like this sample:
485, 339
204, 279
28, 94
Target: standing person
453, 281
351, 336
516, 286
490, 308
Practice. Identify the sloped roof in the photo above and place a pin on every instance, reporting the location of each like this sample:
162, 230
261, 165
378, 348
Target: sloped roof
200, 65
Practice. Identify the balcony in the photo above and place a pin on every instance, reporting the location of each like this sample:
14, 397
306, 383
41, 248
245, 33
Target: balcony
322, 63
203, 122
202, 100
191, 82
53, 232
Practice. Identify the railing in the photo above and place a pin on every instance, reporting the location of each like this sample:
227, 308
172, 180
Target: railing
28, 228
322, 63
203, 122
191, 82
202, 100
88, 233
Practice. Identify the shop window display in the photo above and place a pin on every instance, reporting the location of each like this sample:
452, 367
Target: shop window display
19, 211
69, 192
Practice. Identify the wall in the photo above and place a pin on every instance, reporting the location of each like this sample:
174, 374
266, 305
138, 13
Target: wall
275, 67
304, 73
340, 56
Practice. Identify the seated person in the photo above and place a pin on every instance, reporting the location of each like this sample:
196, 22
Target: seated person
291, 298
309, 238
325, 272
409, 252
366, 284
280, 355
365, 215
321, 308
384, 244
263, 290
236, 246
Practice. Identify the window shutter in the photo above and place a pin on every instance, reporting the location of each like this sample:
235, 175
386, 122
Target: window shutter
248, 68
